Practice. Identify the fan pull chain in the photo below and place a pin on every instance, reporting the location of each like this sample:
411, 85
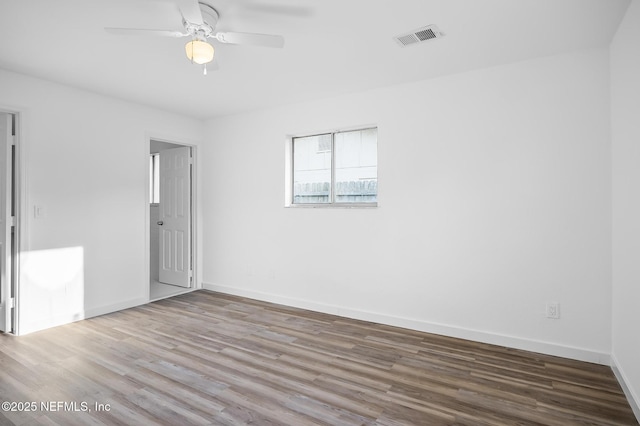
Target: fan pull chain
205, 70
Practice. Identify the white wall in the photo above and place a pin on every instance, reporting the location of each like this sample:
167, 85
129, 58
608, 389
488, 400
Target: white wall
512, 165
86, 163
625, 115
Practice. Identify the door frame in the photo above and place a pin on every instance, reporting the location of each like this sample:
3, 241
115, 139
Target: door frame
195, 212
18, 197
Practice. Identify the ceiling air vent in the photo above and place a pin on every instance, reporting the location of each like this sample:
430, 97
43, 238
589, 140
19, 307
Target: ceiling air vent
418, 36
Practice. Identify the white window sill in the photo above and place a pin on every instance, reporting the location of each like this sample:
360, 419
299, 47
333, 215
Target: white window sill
333, 206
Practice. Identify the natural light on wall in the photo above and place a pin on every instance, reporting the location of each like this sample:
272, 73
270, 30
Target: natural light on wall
52, 289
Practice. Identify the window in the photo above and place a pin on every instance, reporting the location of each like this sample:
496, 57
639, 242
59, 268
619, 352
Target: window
338, 168
154, 178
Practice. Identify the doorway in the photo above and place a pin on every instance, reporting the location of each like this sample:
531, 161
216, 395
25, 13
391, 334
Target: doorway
8, 222
171, 236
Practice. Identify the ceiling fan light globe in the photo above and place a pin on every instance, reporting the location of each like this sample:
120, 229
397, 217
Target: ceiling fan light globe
199, 52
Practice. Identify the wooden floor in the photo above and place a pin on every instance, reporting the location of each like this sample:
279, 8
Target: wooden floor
209, 358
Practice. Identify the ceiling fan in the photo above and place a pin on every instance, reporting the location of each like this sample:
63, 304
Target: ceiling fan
199, 19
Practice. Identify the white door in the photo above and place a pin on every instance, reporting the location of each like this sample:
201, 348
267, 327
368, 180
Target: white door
175, 216
6, 302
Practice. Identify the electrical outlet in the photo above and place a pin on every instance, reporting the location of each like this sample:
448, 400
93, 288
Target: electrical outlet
553, 310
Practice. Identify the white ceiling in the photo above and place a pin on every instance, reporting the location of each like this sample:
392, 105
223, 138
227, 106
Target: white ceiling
332, 47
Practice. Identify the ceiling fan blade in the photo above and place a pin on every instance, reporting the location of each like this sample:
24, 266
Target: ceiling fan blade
265, 40
190, 10
145, 32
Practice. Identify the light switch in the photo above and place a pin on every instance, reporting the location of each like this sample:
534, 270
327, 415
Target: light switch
38, 212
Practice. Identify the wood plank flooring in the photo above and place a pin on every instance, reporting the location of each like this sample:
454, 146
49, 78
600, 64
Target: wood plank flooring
209, 358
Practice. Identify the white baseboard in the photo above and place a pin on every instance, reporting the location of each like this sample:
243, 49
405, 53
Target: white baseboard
633, 399
168, 296
107, 309
43, 324
429, 327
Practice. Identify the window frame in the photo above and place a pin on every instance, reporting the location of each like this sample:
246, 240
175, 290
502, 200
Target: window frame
289, 175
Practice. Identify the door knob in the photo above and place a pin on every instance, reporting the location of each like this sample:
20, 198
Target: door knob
160, 223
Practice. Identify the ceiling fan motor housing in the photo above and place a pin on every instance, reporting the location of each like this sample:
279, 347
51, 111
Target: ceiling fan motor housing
210, 16
205, 30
